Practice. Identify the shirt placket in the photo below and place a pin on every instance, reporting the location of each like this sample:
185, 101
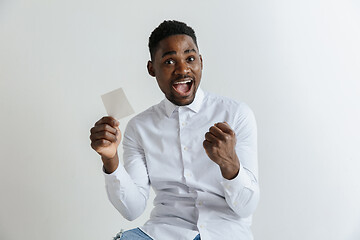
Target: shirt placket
185, 134
185, 148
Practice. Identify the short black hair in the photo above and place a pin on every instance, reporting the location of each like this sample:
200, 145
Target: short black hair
166, 29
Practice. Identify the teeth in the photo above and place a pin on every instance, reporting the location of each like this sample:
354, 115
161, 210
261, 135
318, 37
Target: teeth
187, 81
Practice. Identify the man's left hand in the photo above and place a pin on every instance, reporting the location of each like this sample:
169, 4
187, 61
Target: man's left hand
219, 145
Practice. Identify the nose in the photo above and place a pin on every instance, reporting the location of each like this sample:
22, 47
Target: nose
182, 68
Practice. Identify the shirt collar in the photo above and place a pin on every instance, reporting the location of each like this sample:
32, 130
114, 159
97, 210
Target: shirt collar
194, 106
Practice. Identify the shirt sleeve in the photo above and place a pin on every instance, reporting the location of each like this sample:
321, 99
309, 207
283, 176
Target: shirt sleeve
128, 186
242, 192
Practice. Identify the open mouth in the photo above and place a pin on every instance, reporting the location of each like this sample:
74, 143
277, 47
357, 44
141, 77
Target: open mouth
183, 87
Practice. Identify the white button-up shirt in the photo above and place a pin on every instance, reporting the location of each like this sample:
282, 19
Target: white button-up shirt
163, 148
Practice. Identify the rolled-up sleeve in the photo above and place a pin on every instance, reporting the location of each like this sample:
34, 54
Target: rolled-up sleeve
128, 186
242, 192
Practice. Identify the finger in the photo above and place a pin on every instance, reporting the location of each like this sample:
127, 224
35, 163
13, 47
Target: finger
100, 143
211, 138
103, 127
118, 132
209, 149
103, 135
217, 132
225, 127
108, 120
207, 145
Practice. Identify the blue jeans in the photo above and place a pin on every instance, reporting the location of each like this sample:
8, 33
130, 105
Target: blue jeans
137, 234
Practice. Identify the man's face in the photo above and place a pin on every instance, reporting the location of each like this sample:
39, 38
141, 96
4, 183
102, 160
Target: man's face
177, 66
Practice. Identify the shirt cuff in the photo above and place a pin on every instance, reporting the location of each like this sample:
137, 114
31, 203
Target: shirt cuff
118, 176
238, 183
109, 174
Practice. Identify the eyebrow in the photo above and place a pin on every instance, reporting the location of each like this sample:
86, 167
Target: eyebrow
190, 50
168, 53
174, 52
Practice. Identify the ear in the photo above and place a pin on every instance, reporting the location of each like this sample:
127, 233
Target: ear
150, 68
201, 62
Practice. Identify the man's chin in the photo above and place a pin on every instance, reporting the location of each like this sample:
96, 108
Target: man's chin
183, 101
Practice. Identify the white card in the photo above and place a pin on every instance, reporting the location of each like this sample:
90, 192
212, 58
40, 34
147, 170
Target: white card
116, 104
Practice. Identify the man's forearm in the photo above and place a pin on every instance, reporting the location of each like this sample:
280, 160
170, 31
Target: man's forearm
231, 169
242, 193
110, 164
127, 196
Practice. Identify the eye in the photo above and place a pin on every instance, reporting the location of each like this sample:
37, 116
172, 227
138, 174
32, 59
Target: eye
191, 59
169, 61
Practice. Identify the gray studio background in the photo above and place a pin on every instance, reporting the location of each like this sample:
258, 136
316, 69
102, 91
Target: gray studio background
296, 63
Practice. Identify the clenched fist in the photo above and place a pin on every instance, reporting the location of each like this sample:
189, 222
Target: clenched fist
219, 145
105, 138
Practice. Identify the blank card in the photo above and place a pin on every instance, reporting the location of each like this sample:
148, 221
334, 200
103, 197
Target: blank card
116, 104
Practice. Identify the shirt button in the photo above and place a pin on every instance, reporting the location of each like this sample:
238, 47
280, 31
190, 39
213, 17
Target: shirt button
185, 148
183, 124
200, 203
202, 226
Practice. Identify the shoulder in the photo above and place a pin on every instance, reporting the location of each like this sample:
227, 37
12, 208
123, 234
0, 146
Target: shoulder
227, 103
147, 116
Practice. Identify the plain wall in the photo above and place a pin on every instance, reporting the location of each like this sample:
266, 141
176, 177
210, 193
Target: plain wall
296, 63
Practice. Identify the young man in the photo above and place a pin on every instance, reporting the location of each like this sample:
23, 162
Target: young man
198, 151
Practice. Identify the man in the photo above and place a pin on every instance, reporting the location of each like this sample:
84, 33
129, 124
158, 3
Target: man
198, 151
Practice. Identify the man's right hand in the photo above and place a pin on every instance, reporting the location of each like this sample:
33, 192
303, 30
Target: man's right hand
105, 138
